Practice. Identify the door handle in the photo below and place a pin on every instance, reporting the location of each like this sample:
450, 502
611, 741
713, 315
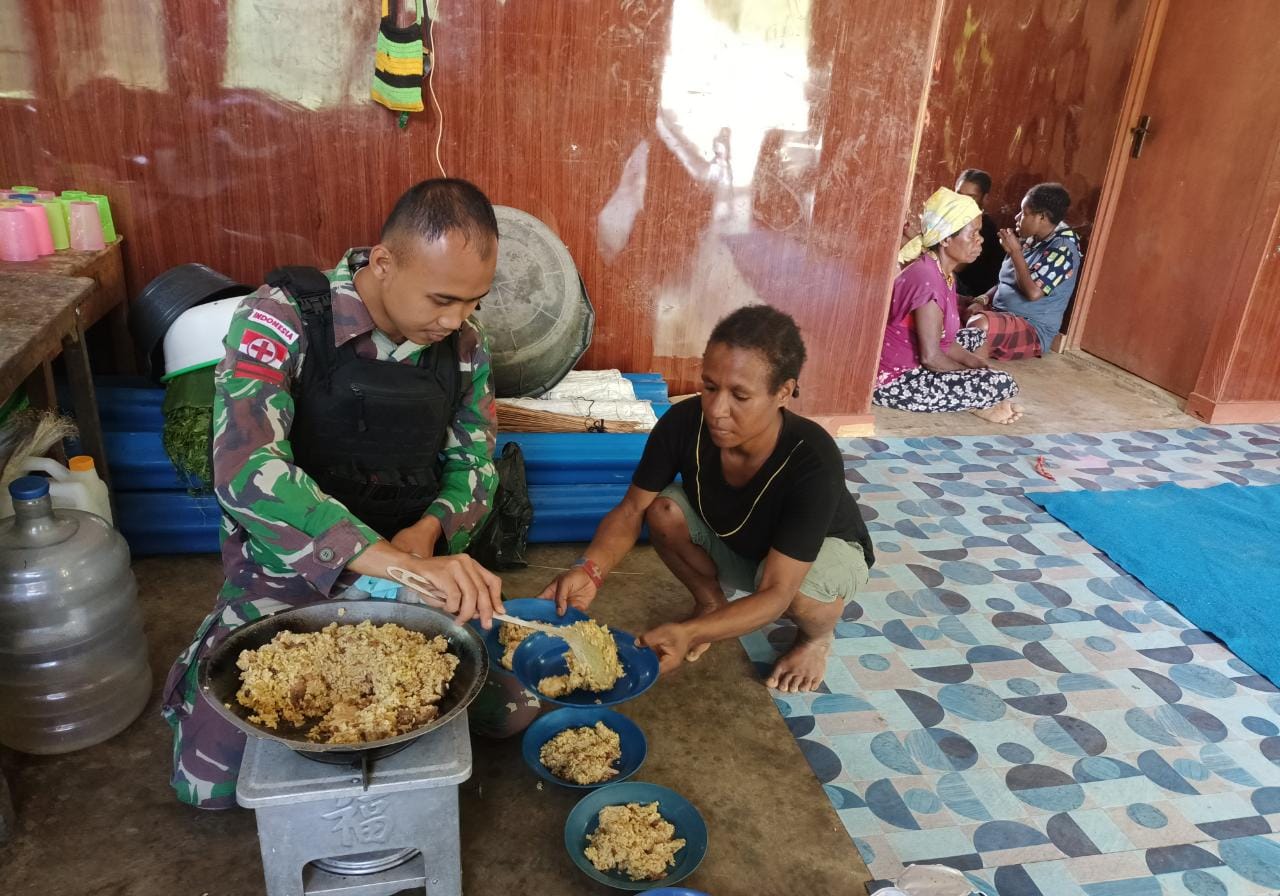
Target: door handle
1140, 135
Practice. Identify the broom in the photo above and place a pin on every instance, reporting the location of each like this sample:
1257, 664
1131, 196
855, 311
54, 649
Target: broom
513, 418
30, 434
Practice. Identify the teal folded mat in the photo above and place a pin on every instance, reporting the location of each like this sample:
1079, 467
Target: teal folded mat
1214, 553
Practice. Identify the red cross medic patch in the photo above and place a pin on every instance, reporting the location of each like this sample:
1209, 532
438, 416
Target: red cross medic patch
260, 358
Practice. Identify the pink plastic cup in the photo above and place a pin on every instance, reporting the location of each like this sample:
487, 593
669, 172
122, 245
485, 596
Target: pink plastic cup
17, 235
86, 226
40, 224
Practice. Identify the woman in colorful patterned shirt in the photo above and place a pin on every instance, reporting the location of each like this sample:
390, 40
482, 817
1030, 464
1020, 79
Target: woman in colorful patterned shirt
928, 363
1022, 313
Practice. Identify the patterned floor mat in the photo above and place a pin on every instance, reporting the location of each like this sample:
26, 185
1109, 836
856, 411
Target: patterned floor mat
1004, 700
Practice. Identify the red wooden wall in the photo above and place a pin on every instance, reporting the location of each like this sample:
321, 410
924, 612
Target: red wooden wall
695, 155
1030, 92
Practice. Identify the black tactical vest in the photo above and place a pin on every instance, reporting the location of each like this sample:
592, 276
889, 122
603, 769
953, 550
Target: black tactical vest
369, 432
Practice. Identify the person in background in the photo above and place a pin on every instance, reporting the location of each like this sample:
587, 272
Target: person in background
761, 505
927, 362
353, 431
980, 275
1023, 312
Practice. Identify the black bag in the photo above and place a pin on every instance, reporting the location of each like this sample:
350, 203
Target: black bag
501, 541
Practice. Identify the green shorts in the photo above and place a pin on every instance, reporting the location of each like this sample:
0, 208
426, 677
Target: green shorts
838, 572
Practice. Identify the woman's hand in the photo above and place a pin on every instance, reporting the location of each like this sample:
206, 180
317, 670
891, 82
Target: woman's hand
572, 588
671, 642
1009, 241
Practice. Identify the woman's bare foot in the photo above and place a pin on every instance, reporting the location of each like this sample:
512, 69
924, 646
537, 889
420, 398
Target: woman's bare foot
1002, 413
803, 667
1017, 412
703, 608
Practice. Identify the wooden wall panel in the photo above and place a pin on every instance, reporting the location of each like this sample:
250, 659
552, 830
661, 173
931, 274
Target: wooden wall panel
1240, 378
1031, 92
695, 155
1255, 375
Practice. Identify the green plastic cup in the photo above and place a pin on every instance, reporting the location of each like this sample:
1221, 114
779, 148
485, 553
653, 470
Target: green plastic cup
57, 223
24, 189
104, 212
68, 197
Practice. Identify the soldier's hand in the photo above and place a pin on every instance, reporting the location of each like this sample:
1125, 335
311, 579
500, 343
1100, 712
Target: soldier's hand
467, 588
456, 583
420, 538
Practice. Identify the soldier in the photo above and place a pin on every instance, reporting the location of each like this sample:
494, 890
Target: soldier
354, 428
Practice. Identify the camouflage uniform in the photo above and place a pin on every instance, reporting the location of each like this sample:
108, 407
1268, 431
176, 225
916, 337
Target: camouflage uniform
284, 542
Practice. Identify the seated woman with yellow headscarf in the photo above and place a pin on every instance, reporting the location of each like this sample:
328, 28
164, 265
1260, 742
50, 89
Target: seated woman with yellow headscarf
928, 363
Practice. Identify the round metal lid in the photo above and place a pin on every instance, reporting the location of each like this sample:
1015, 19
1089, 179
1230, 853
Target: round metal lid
366, 862
537, 317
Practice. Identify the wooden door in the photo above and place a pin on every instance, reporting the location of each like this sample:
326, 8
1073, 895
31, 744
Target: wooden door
1184, 206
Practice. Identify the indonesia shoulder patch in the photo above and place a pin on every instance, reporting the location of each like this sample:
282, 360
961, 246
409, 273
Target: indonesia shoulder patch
274, 324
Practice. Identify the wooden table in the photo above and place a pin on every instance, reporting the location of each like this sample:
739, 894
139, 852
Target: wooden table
40, 317
107, 299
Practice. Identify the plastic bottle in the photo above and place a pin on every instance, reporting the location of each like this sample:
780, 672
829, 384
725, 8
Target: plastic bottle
82, 470
78, 488
73, 656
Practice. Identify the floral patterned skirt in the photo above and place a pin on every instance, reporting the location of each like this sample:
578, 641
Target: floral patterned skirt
933, 391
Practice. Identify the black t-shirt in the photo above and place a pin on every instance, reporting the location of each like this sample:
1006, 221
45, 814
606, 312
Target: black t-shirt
801, 486
983, 272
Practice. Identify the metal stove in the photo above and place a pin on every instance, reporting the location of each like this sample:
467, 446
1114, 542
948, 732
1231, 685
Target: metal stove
362, 828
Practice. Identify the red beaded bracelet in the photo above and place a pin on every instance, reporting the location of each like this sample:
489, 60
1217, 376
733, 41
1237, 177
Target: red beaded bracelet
592, 571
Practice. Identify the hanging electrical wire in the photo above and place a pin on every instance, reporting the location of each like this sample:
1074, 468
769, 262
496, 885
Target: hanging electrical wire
431, 89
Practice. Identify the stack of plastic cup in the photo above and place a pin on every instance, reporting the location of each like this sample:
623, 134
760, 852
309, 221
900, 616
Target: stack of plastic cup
40, 227
68, 197
17, 235
57, 216
104, 213
86, 226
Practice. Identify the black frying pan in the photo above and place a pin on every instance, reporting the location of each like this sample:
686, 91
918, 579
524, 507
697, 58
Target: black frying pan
219, 679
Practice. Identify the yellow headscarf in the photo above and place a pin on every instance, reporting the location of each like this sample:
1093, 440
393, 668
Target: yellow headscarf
945, 214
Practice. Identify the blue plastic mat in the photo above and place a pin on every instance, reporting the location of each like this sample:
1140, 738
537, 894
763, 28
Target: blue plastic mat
1214, 553
1002, 699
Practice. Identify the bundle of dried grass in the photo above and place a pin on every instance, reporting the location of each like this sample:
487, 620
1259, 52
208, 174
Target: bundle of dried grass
30, 434
513, 418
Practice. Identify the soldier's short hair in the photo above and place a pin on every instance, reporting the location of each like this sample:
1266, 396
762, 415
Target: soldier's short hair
430, 209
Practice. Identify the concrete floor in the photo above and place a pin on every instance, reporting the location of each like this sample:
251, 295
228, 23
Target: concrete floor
1071, 392
103, 821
